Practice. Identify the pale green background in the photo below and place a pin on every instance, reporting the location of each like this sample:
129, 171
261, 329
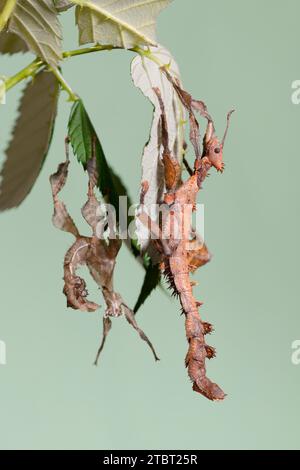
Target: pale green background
232, 53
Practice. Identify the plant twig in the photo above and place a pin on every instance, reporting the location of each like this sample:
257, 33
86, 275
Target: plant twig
34, 67
29, 70
65, 86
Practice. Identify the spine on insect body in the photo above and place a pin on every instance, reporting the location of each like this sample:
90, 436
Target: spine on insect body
177, 272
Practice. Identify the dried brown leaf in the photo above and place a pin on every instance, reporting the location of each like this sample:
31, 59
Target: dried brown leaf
184, 256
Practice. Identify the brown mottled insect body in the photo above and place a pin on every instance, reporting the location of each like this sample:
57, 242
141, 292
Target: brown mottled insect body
182, 255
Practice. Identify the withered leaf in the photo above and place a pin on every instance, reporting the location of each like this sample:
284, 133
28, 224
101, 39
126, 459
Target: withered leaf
129, 314
83, 138
31, 140
75, 287
151, 281
171, 165
197, 254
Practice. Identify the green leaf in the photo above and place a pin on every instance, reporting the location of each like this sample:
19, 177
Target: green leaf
151, 281
10, 43
120, 23
36, 23
31, 140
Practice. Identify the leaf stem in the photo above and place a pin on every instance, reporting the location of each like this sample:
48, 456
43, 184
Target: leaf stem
28, 71
7, 12
65, 86
86, 50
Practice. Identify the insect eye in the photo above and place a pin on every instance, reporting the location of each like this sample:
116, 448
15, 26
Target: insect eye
217, 150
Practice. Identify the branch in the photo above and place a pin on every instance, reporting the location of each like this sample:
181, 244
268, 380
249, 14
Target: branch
28, 71
34, 67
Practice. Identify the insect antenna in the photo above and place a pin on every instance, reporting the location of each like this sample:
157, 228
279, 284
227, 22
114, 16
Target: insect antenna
227, 126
